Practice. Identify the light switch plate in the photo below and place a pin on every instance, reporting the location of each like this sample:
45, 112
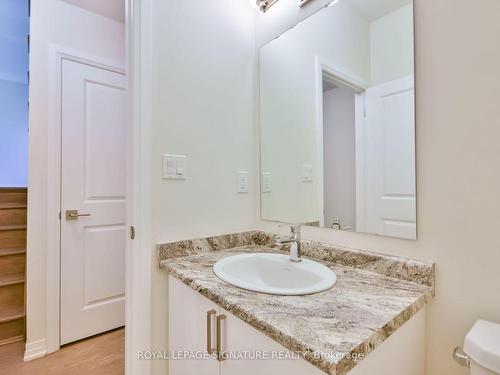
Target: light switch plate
266, 182
242, 182
174, 167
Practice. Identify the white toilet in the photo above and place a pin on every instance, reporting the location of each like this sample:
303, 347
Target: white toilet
482, 347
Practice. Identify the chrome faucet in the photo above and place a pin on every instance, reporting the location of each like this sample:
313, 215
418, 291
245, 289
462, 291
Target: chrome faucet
295, 245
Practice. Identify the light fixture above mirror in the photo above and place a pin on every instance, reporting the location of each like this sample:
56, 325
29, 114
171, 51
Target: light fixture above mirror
303, 2
263, 5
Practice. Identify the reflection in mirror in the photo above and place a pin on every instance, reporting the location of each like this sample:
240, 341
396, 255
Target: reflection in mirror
338, 120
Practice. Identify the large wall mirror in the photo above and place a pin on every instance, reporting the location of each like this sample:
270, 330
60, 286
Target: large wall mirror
337, 104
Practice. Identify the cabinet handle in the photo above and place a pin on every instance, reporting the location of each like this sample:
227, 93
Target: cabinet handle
210, 315
220, 353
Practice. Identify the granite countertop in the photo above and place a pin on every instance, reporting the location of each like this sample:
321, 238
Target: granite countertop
330, 329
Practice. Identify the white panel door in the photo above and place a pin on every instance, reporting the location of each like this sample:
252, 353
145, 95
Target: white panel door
390, 206
93, 182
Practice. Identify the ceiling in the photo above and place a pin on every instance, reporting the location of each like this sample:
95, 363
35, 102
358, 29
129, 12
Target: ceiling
114, 9
373, 9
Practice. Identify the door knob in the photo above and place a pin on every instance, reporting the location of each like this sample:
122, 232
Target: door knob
74, 215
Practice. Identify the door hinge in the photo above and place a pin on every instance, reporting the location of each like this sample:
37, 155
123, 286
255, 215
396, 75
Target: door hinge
132, 232
59, 215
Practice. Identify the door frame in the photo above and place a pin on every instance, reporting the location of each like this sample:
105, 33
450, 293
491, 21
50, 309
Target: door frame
141, 250
58, 54
346, 80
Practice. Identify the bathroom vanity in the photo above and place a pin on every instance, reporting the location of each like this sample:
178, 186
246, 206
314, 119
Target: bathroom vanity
371, 322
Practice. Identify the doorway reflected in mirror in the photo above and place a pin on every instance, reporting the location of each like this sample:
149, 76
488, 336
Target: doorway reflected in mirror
338, 120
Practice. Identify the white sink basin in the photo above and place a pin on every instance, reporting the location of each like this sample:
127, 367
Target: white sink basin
275, 274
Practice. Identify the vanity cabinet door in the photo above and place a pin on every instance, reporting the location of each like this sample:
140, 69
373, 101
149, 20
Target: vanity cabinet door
240, 339
189, 332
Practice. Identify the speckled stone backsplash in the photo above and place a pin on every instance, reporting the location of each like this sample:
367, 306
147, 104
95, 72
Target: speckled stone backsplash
216, 243
398, 267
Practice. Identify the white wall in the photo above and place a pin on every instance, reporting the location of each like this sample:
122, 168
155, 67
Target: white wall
288, 111
339, 150
391, 44
204, 84
14, 29
13, 134
54, 22
457, 91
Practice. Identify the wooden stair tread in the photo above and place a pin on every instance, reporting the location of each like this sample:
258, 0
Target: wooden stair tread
19, 196
10, 239
12, 340
14, 313
14, 251
13, 189
11, 280
10, 206
12, 227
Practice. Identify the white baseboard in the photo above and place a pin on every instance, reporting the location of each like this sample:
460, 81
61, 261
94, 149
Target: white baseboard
35, 349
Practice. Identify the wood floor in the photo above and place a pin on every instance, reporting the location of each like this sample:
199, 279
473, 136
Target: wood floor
100, 355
